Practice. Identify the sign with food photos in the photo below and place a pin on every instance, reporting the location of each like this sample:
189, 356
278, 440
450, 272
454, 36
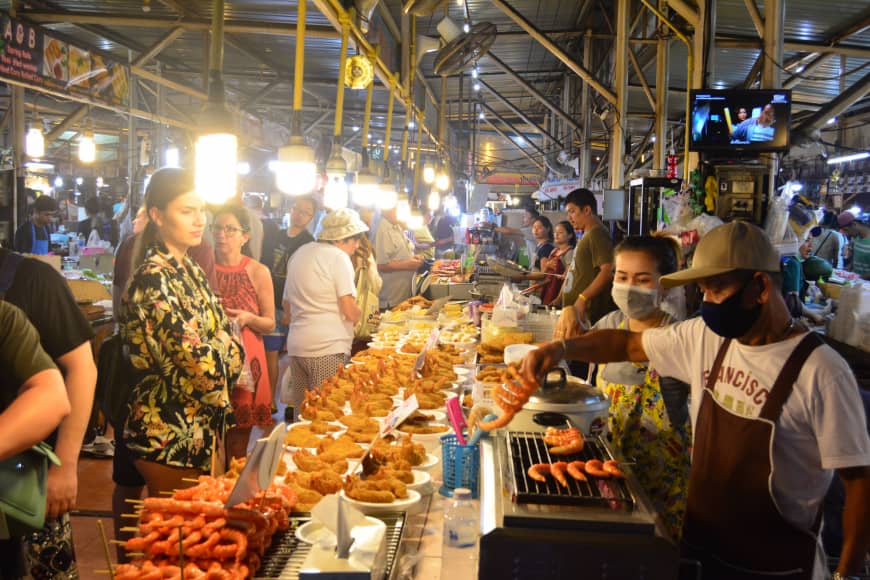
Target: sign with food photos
34, 56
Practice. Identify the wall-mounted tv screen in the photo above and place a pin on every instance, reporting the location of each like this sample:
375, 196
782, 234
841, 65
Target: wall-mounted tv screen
740, 121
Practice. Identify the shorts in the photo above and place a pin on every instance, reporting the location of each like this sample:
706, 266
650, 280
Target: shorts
306, 373
124, 471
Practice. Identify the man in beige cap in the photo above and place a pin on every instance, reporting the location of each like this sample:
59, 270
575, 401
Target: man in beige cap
774, 413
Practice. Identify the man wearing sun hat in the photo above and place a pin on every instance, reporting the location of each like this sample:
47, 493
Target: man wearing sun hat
774, 413
321, 296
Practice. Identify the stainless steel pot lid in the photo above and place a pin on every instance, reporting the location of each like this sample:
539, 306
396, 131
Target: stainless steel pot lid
572, 392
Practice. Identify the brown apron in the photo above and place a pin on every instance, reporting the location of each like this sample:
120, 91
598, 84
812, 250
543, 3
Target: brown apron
732, 524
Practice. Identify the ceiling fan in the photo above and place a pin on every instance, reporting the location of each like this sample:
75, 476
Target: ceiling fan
462, 48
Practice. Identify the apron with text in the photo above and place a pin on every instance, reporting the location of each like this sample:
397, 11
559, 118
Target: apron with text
732, 525
39, 247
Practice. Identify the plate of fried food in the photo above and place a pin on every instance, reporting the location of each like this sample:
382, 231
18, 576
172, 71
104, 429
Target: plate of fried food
379, 500
427, 435
421, 481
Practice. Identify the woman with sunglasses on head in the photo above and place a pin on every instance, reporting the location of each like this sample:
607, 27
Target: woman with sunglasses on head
181, 343
245, 287
649, 415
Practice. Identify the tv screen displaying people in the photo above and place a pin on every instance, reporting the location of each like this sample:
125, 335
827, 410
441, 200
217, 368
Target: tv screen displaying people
740, 120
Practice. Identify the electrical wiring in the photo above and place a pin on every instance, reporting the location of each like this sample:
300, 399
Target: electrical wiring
815, 78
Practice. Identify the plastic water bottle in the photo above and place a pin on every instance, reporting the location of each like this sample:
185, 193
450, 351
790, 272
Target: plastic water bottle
461, 532
814, 293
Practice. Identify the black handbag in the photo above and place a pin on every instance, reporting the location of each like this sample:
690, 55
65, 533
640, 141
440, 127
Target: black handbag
115, 379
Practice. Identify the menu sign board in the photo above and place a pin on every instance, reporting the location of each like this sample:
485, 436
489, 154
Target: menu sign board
30, 55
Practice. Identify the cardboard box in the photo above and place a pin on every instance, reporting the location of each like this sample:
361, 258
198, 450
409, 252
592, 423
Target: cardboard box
88, 291
830, 289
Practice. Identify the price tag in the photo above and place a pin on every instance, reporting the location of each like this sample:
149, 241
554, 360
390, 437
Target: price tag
399, 414
421, 358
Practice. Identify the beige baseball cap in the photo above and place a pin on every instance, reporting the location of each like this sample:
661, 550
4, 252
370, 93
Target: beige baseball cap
737, 245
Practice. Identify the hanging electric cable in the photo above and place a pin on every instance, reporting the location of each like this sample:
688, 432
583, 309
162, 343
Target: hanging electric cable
366, 186
335, 191
296, 170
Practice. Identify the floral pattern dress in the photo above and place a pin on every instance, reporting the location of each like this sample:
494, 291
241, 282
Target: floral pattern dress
178, 336
640, 426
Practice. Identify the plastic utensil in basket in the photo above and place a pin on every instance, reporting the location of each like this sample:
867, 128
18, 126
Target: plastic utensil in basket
457, 420
460, 466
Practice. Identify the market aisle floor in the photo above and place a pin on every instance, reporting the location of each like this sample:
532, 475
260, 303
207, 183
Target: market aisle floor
94, 504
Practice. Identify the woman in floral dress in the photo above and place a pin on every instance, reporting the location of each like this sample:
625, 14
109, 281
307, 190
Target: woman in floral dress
649, 414
245, 287
180, 342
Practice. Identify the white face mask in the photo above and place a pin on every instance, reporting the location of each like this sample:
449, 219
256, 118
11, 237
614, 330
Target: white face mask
636, 302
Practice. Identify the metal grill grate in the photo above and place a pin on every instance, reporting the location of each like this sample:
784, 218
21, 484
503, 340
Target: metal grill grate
286, 555
528, 448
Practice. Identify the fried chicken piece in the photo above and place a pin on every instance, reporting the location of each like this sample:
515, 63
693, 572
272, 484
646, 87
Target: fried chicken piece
389, 473
343, 447
367, 491
325, 482
322, 427
301, 436
306, 461
360, 423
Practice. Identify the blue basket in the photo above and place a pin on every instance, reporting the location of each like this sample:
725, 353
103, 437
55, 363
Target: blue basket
460, 465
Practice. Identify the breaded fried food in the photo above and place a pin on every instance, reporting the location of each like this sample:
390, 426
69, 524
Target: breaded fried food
301, 436
429, 429
359, 436
306, 461
360, 423
343, 447
325, 482
322, 427
374, 491
405, 476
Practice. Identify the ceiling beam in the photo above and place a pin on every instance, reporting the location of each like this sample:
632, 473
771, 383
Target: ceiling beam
842, 102
731, 41
755, 16
517, 111
525, 153
187, 23
513, 128
555, 50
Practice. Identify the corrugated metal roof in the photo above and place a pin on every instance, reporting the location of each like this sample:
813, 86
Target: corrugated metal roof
254, 61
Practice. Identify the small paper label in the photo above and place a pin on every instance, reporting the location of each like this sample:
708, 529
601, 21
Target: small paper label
399, 414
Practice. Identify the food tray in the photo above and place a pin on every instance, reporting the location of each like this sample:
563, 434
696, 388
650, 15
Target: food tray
286, 555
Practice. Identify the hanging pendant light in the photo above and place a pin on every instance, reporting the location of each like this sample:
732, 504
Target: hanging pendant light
434, 200
442, 181
296, 172
428, 174
388, 195
87, 147
366, 186
34, 141
217, 147
403, 210
415, 222
335, 190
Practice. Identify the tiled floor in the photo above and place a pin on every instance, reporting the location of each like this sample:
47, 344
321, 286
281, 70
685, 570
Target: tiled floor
421, 551
95, 505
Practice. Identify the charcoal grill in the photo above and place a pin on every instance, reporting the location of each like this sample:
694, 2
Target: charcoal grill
528, 448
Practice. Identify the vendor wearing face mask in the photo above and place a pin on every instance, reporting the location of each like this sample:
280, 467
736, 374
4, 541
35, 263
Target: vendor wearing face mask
649, 414
775, 414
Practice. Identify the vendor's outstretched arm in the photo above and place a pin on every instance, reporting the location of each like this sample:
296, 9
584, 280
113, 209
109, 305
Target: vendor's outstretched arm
598, 346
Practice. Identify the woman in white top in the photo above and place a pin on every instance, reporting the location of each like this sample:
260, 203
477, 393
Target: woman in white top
321, 296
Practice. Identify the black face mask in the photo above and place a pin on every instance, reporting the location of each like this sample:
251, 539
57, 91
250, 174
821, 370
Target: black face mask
729, 319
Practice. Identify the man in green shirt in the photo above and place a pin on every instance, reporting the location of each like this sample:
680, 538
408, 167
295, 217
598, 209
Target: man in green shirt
33, 402
586, 294
860, 237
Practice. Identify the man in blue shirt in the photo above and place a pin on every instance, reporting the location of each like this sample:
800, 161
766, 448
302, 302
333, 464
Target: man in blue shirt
761, 128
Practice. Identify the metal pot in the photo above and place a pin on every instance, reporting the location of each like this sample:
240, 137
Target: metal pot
562, 400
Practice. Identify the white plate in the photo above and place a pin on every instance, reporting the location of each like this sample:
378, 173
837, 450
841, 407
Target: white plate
421, 480
313, 532
461, 371
430, 462
399, 505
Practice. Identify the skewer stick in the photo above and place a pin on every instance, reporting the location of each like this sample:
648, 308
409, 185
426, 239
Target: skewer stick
134, 501
132, 529
105, 546
117, 542
130, 516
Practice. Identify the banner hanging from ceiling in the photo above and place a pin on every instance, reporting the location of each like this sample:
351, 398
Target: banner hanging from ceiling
33, 56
